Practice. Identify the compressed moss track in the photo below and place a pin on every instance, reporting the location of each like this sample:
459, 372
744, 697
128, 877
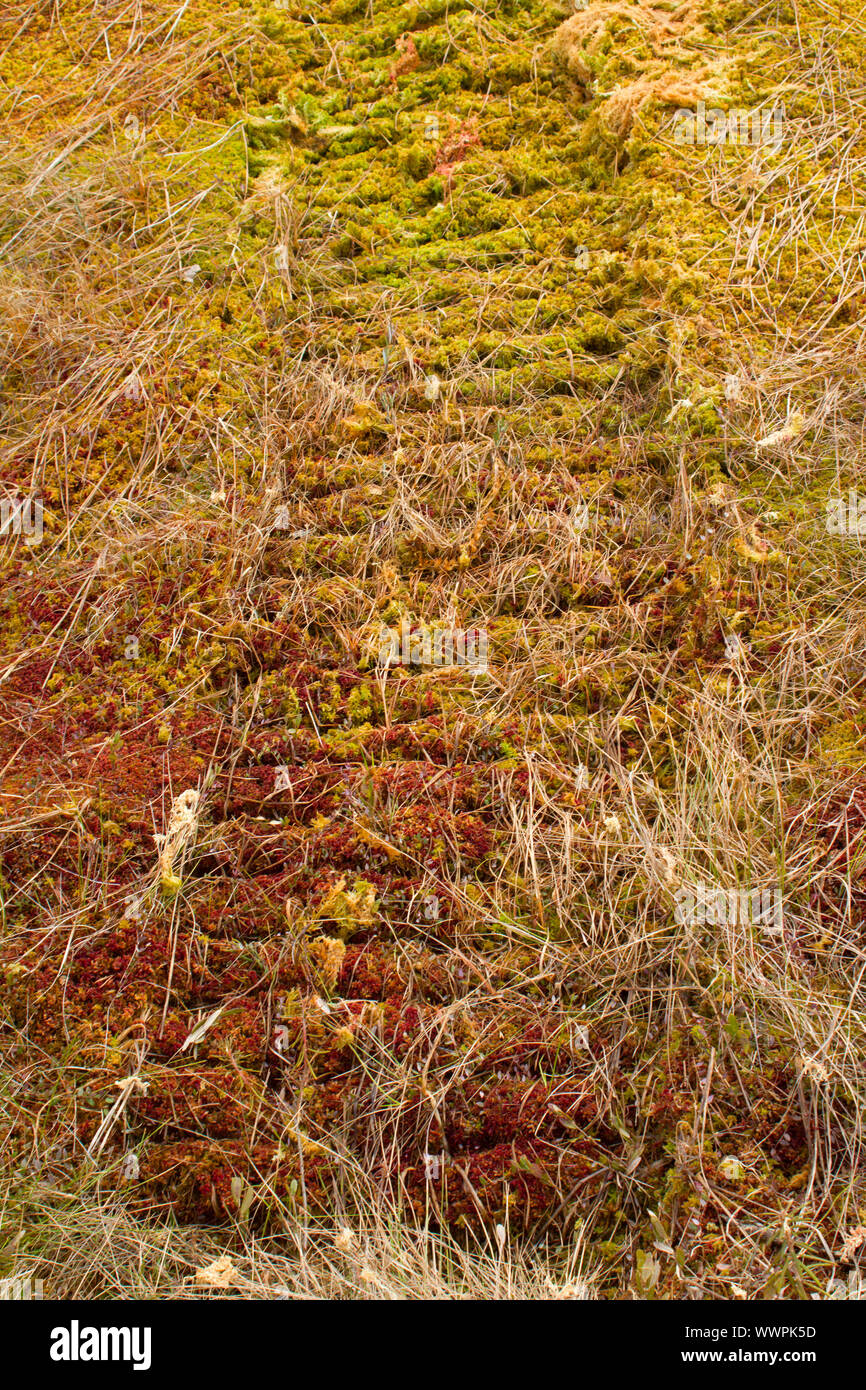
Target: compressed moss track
455, 289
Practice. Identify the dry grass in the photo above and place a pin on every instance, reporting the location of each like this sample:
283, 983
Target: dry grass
146, 404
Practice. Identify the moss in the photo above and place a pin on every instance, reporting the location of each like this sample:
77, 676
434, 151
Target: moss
356, 850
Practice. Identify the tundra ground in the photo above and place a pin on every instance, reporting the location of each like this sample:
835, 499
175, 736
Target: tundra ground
323, 974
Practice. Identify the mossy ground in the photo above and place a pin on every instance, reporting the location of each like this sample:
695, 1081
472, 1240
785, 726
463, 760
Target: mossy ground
409, 951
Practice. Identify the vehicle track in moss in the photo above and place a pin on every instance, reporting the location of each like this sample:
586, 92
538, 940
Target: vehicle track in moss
470, 298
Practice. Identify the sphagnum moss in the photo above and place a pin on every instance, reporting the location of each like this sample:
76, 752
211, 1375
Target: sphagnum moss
428, 913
